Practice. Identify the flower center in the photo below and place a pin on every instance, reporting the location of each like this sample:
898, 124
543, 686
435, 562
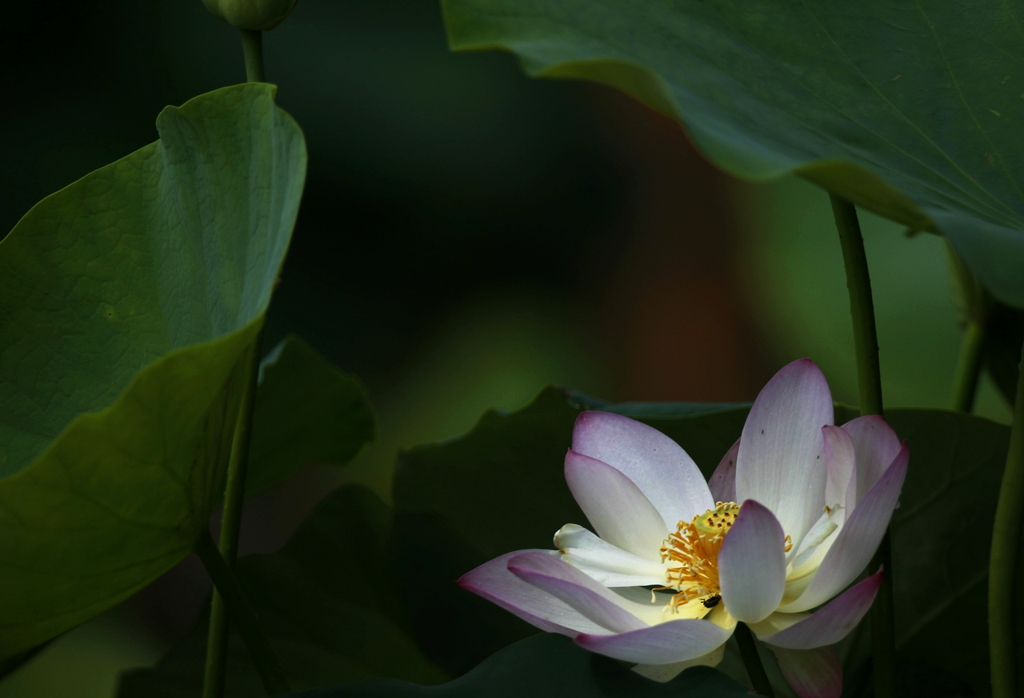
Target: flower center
692, 554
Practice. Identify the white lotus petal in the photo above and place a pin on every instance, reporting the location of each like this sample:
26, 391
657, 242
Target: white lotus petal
493, 581
615, 506
780, 461
876, 446
666, 643
858, 539
723, 481
752, 564
662, 470
830, 623
840, 483
667, 672
811, 546
607, 564
559, 579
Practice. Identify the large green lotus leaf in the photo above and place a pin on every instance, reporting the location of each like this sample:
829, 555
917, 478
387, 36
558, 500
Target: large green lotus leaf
501, 488
548, 666
307, 411
129, 305
327, 603
941, 536
908, 109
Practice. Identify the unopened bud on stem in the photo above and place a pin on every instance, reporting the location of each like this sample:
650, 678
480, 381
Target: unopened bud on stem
254, 15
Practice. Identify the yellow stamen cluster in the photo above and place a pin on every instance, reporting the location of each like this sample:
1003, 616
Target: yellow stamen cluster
692, 551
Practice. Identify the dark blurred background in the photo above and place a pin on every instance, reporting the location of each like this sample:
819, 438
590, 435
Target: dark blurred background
467, 236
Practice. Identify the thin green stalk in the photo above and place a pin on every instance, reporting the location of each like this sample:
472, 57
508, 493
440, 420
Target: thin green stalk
1006, 541
252, 44
968, 370
234, 493
752, 661
244, 617
862, 307
869, 382
974, 306
234, 497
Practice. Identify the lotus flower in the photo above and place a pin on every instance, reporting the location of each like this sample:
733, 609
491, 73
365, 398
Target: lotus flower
790, 518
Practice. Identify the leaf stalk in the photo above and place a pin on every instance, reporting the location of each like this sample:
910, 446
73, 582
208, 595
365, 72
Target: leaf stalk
1006, 540
869, 383
246, 621
968, 370
234, 498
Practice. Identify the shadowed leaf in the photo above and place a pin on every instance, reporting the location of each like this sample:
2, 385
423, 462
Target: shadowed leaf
908, 109
129, 305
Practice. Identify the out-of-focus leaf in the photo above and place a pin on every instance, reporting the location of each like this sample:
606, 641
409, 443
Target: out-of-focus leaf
129, 305
307, 411
501, 488
12, 664
908, 109
327, 603
549, 666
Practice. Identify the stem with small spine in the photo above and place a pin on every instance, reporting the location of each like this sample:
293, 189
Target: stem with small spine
869, 382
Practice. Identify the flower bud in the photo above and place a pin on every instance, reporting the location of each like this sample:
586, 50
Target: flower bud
254, 15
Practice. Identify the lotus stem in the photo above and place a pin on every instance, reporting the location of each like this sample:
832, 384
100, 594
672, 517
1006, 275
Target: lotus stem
252, 45
869, 382
234, 499
968, 370
1006, 539
752, 661
245, 618
974, 305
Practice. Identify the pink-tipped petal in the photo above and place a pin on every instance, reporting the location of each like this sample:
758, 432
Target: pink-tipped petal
752, 564
857, 540
666, 643
615, 506
780, 461
602, 561
655, 463
493, 581
564, 582
840, 462
876, 445
830, 623
723, 481
812, 673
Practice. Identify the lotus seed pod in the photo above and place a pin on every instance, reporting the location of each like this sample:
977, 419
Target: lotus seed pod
254, 15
